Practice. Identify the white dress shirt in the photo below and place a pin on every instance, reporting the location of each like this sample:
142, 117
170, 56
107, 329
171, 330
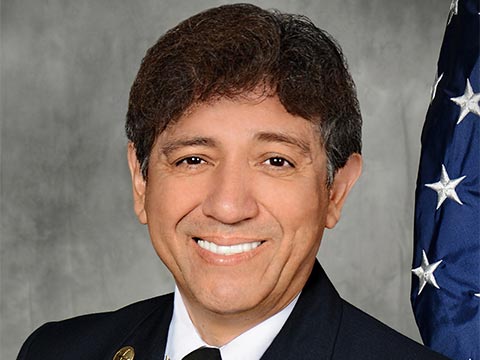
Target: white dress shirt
183, 338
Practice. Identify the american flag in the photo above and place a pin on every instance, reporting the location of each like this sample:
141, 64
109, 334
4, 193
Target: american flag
446, 262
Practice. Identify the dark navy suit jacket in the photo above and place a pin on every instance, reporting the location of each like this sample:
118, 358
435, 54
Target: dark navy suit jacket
321, 326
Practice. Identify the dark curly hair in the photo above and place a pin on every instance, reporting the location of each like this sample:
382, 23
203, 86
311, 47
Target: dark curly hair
235, 50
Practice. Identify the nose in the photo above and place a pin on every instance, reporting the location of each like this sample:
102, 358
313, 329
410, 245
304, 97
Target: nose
231, 198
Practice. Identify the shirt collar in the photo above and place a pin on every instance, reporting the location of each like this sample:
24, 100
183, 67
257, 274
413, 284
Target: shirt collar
183, 338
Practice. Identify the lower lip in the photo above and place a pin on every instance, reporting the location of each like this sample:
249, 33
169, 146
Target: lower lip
232, 259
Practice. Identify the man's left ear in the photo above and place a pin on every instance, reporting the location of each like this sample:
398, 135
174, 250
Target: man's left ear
344, 180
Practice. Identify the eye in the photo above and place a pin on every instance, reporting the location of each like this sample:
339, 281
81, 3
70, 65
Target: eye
278, 161
190, 161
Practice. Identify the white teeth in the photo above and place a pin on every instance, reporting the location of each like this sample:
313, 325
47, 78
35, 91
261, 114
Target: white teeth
228, 250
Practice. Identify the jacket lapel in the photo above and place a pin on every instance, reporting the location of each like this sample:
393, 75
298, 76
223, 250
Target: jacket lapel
310, 331
149, 337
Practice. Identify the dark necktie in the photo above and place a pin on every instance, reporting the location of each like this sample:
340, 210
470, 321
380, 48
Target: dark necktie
204, 353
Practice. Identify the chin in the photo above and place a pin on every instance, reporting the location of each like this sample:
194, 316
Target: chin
229, 300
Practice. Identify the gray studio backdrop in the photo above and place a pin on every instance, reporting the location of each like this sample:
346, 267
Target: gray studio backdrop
70, 243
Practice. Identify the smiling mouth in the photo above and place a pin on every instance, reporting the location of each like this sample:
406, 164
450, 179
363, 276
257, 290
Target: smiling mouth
227, 250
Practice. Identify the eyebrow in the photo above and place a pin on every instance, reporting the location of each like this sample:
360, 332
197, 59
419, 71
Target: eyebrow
284, 138
176, 144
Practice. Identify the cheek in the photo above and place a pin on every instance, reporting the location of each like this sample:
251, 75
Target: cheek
169, 199
167, 202
300, 206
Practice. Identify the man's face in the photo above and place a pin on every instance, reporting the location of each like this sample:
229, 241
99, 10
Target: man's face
236, 203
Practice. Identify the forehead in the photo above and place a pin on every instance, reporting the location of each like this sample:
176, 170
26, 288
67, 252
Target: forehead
257, 119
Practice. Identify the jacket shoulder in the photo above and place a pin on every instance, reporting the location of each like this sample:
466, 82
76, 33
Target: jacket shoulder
93, 334
360, 336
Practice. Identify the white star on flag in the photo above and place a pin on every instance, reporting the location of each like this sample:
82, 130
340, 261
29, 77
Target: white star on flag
453, 10
425, 273
445, 188
477, 295
435, 85
468, 102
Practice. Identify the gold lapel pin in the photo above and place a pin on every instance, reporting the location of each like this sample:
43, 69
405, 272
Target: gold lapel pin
125, 353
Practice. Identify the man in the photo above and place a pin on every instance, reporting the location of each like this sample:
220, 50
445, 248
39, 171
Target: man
245, 141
